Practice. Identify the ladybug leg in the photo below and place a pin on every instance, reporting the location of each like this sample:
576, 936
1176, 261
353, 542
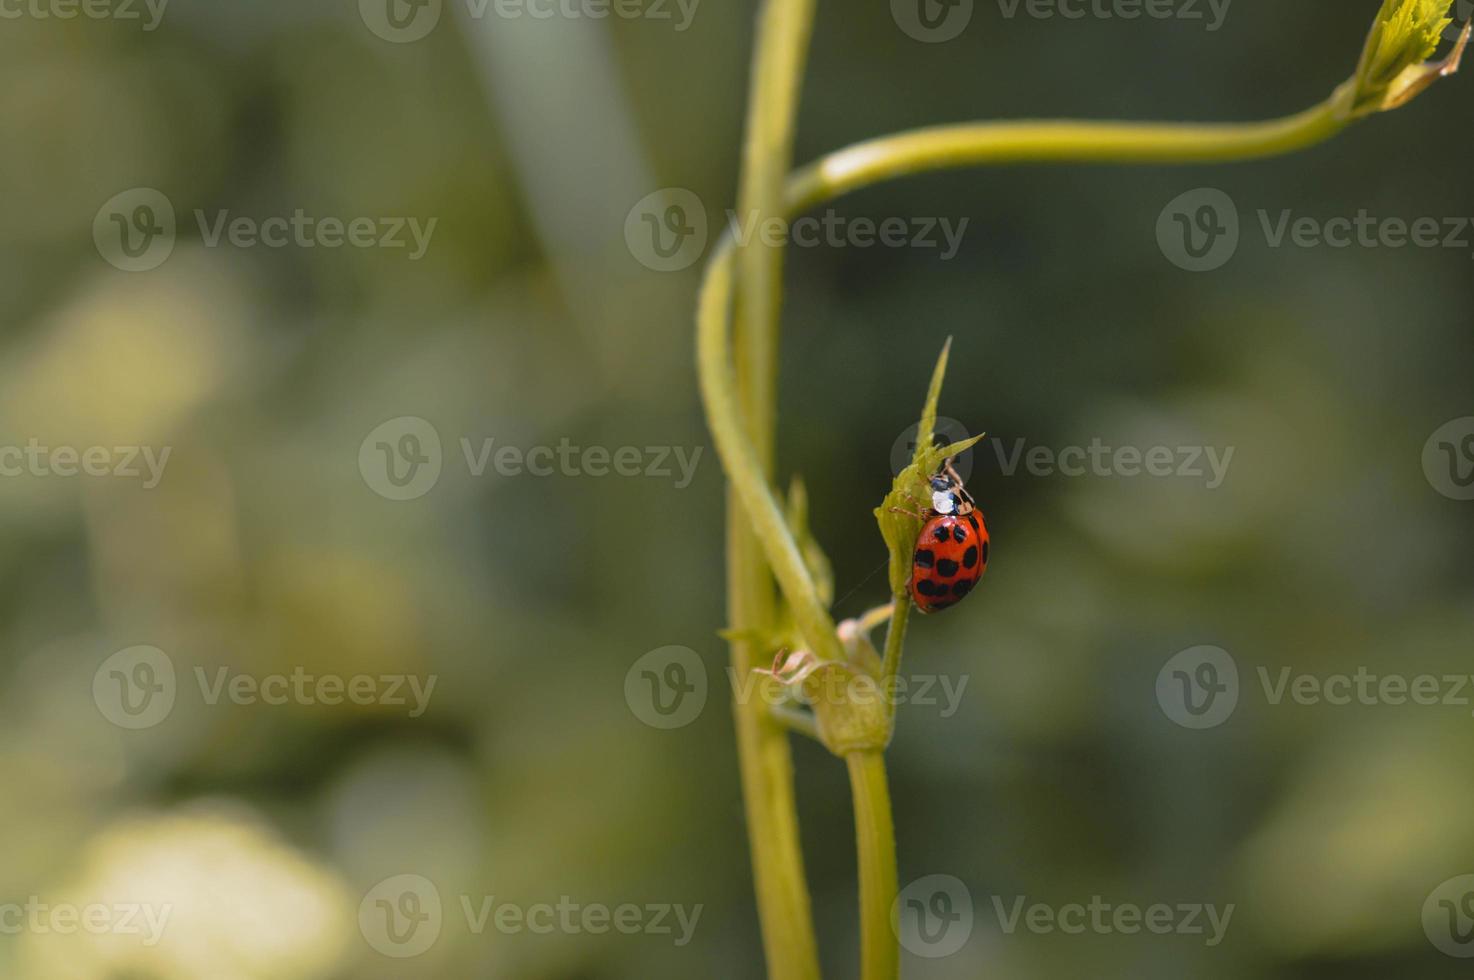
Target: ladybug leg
920, 512
966, 498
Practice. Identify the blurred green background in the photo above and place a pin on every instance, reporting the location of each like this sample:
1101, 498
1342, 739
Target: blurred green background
270, 545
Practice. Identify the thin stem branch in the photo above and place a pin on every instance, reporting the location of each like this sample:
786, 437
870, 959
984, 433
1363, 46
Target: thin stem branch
764, 755
1060, 141
874, 617
777, 79
895, 639
875, 838
796, 720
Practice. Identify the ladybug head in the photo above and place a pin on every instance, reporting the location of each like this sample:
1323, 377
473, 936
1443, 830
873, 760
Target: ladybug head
948, 497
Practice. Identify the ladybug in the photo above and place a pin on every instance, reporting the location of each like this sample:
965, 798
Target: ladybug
952, 551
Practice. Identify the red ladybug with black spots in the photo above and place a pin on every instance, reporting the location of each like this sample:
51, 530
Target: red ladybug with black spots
952, 551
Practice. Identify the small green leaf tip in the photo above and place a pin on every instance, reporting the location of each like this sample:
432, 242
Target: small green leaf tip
900, 514
1394, 66
814, 558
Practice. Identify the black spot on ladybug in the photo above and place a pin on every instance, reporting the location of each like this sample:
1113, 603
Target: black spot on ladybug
926, 587
962, 587
972, 519
946, 568
925, 559
940, 533
985, 552
970, 557
959, 533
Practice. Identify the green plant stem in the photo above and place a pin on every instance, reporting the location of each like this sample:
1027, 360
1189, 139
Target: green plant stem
766, 765
917, 152
875, 838
874, 617
796, 720
764, 755
744, 472
783, 34
895, 639
1060, 141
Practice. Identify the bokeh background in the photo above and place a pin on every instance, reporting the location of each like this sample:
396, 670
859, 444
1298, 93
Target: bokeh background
269, 546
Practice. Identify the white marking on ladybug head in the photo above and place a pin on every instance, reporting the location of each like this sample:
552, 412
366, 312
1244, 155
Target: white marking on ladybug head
943, 502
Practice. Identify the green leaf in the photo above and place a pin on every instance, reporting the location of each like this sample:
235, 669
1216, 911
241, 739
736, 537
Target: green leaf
820, 569
903, 511
928, 427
